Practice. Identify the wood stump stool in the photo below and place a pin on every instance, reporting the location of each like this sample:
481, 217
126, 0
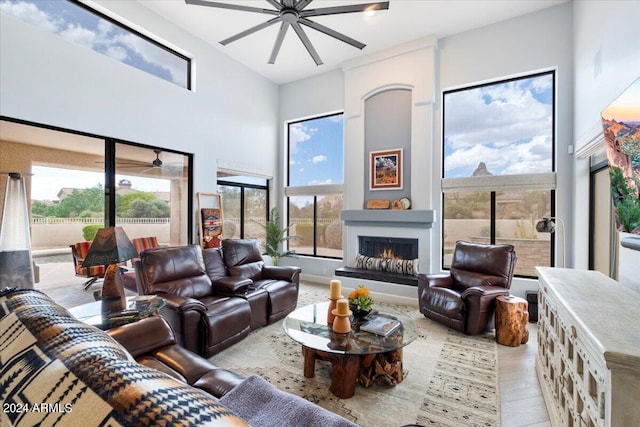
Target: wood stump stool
511, 321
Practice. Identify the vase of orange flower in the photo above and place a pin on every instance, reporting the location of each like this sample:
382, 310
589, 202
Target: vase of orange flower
360, 302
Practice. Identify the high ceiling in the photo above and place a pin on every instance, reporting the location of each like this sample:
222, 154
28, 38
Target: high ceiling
406, 20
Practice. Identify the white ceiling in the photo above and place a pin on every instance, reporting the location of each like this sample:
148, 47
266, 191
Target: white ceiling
404, 21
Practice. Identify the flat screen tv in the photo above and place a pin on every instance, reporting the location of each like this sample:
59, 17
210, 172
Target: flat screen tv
621, 126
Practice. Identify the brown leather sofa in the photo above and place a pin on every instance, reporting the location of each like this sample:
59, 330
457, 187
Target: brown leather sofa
152, 343
58, 370
464, 299
215, 298
49, 358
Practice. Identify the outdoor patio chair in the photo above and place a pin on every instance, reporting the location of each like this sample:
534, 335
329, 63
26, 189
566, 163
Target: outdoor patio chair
79, 251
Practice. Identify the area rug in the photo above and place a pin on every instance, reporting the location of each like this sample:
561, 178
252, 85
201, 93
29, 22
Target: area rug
450, 378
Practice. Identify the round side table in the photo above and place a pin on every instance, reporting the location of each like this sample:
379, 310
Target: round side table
512, 316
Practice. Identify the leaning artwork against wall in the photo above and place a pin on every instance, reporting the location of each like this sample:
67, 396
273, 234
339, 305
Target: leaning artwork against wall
621, 126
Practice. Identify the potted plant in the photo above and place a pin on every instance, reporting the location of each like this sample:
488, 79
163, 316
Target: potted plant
360, 301
276, 235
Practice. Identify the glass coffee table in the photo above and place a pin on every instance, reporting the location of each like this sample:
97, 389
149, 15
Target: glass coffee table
138, 307
357, 356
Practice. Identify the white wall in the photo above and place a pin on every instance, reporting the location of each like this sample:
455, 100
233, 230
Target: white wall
537, 41
606, 61
231, 115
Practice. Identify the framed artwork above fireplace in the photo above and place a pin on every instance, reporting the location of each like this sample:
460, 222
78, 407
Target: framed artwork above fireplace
385, 169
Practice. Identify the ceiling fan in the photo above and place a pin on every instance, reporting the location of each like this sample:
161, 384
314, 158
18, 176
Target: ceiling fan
293, 13
156, 163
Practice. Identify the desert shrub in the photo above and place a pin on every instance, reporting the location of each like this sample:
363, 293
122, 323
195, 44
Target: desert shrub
89, 231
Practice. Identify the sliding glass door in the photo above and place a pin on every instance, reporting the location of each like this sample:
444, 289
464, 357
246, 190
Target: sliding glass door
151, 189
77, 183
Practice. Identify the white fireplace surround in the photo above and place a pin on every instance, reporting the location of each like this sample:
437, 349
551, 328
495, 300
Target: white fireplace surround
411, 224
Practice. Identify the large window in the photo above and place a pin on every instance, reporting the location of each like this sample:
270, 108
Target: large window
314, 188
245, 207
77, 180
77, 23
498, 168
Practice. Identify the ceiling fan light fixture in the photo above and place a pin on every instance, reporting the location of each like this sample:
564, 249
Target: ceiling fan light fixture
292, 13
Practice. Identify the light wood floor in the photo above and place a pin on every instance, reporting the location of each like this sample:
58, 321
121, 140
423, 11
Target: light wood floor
521, 399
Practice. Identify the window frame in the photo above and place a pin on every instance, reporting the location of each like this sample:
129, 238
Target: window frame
242, 187
145, 37
498, 183
311, 190
103, 14
110, 172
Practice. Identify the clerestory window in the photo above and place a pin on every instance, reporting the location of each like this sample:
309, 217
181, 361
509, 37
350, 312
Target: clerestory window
84, 26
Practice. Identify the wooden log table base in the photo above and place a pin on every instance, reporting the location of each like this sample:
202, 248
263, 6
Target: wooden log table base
349, 369
512, 317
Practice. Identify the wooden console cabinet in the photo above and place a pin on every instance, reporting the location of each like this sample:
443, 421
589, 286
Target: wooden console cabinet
588, 361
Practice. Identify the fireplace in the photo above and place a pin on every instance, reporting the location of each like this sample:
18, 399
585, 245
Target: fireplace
411, 227
386, 259
388, 247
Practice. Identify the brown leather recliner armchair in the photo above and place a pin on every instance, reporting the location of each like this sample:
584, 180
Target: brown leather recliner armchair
464, 299
243, 260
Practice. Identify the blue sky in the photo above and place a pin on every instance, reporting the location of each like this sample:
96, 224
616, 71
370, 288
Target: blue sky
77, 25
316, 151
506, 125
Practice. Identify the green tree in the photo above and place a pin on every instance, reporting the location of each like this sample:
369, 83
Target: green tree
88, 199
140, 208
123, 201
39, 208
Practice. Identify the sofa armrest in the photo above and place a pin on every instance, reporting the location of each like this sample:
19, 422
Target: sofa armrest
289, 273
186, 316
231, 285
435, 280
484, 291
182, 304
144, 336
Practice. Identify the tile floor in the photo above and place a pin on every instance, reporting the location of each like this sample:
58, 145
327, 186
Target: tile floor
521, 400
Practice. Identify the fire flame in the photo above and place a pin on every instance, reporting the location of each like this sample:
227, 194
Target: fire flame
388, 254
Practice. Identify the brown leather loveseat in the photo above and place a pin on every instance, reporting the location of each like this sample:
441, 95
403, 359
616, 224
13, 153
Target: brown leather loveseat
214, 299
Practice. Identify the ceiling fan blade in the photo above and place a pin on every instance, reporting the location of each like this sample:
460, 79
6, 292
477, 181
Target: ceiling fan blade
381, 5
302, 4
307, 43
328, 31
275, 4
250, 30
231, 6
278, 43
289, 3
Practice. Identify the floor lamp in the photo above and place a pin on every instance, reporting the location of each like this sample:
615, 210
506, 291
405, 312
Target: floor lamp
547, 225
16, 267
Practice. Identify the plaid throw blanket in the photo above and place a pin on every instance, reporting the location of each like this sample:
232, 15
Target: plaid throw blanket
55, 370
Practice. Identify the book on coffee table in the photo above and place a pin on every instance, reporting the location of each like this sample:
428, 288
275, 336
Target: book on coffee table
380, 325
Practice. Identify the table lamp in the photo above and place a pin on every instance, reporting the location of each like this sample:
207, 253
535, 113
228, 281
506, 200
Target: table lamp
110, 247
